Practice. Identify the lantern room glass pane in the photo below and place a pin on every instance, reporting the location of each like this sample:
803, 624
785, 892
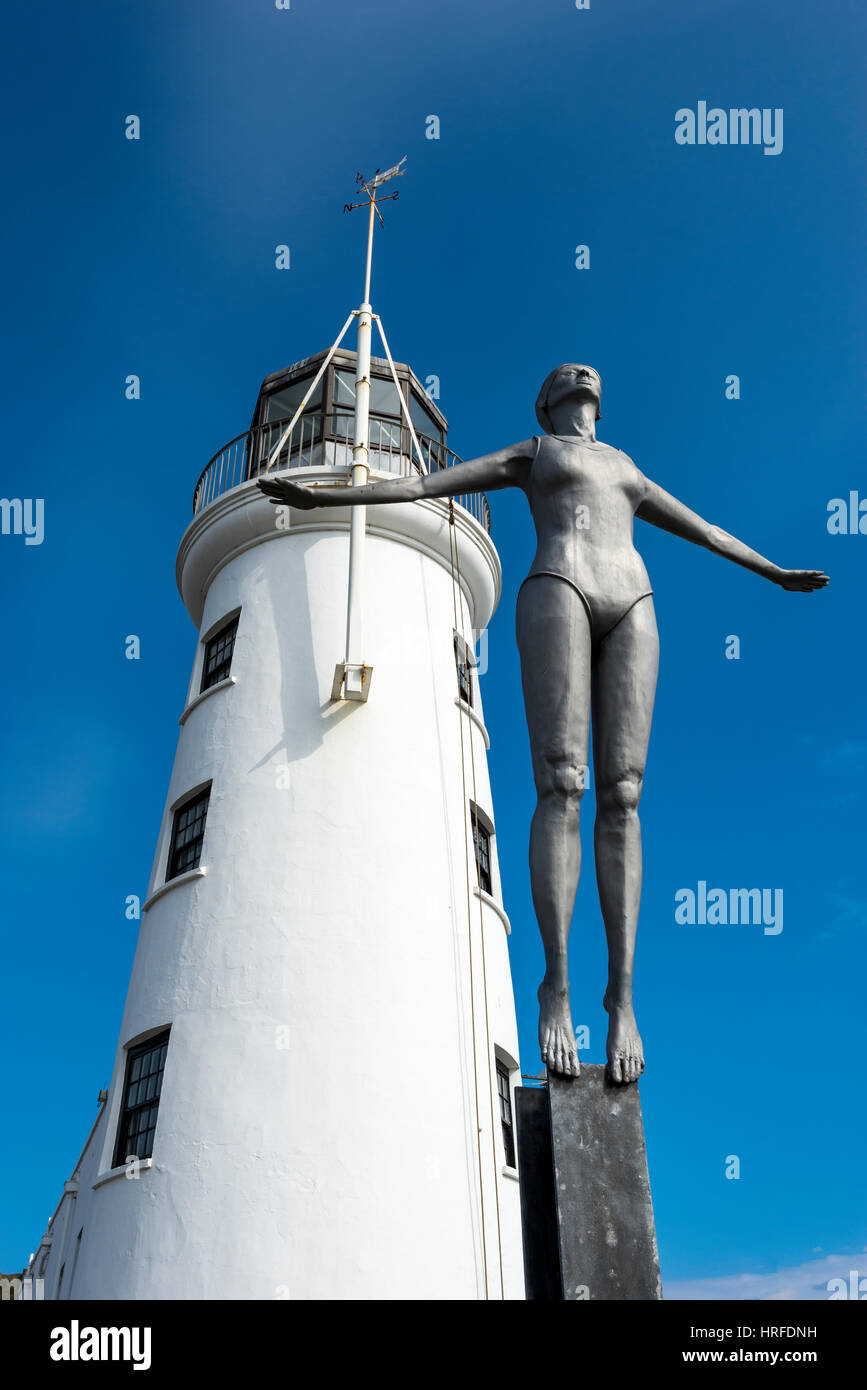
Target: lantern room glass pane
281, 405
422, 419
344, 390
384, 399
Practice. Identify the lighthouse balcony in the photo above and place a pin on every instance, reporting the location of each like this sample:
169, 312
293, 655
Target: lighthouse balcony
319, 441
322, 437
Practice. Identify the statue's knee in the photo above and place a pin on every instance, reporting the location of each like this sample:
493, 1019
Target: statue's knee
620, 796
562, 779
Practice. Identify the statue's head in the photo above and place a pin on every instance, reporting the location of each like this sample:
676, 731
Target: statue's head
571, 379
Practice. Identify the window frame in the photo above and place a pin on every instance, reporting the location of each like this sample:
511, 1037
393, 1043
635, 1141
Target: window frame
172, 870
437, 438
312, 409
208, 642
151, 1044
462, 647
481, 826
510, 1148
385, 417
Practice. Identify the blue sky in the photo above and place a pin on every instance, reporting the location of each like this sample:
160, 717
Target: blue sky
156, 257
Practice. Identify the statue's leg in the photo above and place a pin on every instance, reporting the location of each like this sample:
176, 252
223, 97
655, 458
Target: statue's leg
554, 641
624, 685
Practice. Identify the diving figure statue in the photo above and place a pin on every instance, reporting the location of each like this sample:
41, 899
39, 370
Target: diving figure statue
587, 638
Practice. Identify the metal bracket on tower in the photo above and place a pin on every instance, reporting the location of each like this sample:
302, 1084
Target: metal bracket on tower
351, 681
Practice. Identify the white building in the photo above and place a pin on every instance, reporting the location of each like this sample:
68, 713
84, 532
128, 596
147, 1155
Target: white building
320, 1024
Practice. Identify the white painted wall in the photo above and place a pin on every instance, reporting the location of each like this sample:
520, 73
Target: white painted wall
317, 1129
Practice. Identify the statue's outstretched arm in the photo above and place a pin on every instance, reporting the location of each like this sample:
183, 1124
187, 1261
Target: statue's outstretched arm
503, 468
664, 511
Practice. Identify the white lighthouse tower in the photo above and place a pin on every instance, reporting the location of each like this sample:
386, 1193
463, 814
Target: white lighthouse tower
312, 1091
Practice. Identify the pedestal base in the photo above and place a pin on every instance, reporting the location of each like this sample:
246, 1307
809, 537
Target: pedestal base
599, 1201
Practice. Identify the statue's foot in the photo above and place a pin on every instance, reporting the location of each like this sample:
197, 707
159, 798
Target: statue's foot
556, 1033
624, 1047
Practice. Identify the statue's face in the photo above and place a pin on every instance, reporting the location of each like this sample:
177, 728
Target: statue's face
575, 382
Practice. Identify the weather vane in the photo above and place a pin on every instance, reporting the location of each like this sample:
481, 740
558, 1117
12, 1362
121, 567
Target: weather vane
379, 178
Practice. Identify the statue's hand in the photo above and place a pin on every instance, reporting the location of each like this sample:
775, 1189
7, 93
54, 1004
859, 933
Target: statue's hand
802, 581
288, 494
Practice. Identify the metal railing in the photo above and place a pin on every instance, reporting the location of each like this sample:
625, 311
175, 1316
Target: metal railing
320, 441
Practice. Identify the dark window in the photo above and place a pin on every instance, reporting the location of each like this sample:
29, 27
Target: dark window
482, 843
188, 832
464, 663
344, 390
281, 405
384, 434
385, 411
384, 399
423, 420
277, 410
505, 1094
141, 1099
218, 655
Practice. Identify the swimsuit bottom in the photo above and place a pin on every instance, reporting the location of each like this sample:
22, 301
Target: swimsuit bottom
603, 615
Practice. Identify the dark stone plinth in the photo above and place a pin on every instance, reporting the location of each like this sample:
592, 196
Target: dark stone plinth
602, 1189
538, 1207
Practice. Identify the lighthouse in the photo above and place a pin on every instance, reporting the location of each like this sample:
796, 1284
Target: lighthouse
313, 1090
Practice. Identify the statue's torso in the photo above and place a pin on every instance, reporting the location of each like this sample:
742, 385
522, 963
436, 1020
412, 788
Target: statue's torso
583, 498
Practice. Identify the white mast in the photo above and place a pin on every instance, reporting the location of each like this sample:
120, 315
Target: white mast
352, 677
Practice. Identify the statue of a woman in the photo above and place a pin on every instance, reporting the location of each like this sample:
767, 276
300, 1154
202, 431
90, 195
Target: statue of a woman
587, 637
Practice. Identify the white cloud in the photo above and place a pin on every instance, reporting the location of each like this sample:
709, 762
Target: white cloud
805, 1281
